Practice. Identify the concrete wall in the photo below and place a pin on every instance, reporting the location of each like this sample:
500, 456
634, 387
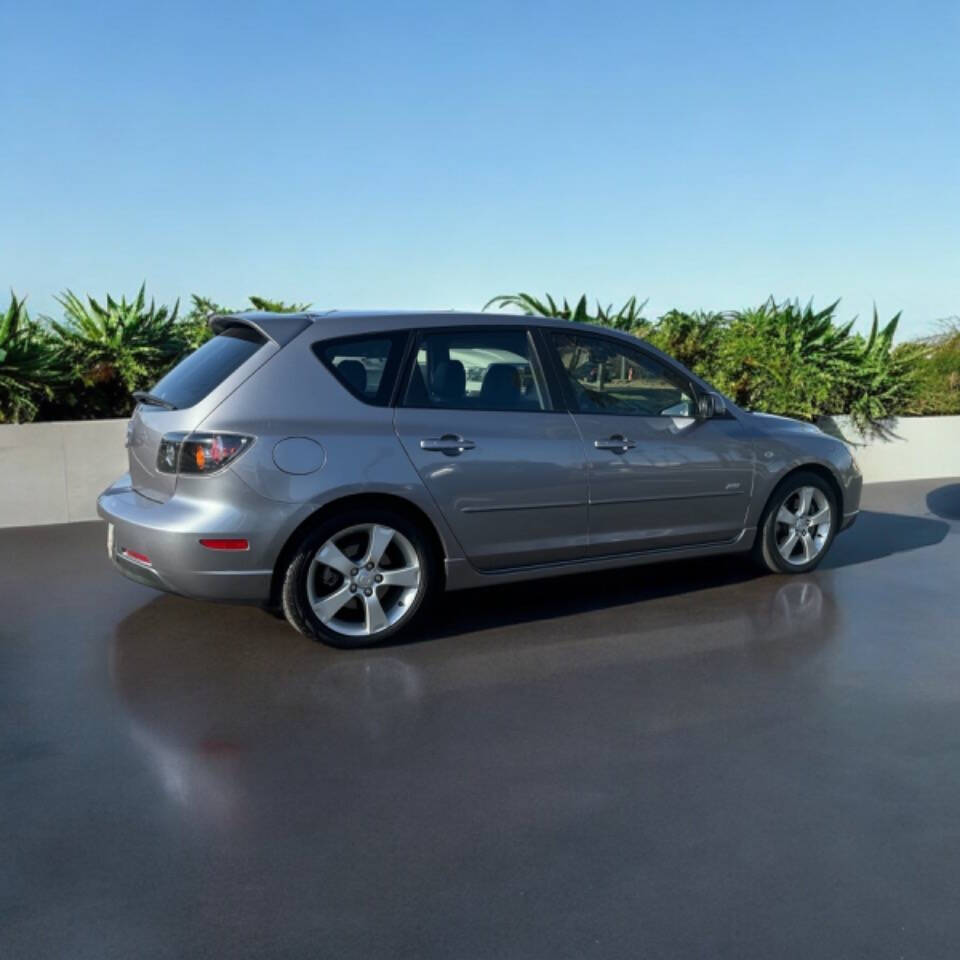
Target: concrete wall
913, 448
52, 472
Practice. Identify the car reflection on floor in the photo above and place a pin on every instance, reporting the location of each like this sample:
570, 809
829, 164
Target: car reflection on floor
202, 709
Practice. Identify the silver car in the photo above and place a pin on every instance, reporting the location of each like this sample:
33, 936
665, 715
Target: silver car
343, 467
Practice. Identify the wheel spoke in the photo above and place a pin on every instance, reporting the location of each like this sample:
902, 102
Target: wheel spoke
786, 548
380, 538
374, 617
784, 515
401, 577
821, 516
806, 546
331, 555
806, 496
328, 607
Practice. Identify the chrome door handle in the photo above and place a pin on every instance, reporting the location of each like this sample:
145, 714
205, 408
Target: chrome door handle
616, 442
449, 443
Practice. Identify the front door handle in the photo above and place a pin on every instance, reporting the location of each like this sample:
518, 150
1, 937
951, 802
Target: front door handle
449, 444
617, 442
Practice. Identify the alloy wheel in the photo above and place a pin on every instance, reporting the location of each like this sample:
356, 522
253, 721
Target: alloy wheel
364, 579
803, 524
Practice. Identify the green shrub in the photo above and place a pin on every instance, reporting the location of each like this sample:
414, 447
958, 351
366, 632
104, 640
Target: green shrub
116, 348
937, 384
801, 363
629, 317
880, 380
781, 358
693, 338
778, 357
277, 306
113, 350
194, 327
31, 365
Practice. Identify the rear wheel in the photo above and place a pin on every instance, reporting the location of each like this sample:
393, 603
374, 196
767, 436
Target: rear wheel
799, 524
359, 578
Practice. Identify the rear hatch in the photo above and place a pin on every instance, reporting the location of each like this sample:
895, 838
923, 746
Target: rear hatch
189, 393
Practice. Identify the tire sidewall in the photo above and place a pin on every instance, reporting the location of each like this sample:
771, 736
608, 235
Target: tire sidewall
769, 554
296, 604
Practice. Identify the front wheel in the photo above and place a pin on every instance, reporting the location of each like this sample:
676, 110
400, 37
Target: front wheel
359, 578
798, 525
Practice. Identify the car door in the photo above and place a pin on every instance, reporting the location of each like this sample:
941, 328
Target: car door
659, 476
504, 465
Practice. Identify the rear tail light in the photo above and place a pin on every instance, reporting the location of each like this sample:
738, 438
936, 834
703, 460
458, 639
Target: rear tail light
200, 453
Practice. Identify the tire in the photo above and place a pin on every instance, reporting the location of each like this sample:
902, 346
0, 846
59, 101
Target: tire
774, 550
330, 595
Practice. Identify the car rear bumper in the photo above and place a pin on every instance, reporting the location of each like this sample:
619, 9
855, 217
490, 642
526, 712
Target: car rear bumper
158, 544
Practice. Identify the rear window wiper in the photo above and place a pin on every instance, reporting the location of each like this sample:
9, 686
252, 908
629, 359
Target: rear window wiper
144, 397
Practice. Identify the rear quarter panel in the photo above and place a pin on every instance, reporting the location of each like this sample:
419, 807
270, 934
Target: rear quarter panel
295, 396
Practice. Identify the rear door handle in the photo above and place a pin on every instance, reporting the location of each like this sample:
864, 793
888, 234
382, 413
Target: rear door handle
450, 444
617, 442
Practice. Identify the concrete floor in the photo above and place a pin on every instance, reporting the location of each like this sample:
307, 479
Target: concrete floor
684, 761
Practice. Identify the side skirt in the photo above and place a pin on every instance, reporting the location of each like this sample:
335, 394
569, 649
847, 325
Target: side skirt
461, 574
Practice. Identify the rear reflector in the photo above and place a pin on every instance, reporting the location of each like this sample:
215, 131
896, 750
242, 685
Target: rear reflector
139, 557
226, 544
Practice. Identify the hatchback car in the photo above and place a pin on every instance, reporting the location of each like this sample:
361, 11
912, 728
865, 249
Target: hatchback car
343, 467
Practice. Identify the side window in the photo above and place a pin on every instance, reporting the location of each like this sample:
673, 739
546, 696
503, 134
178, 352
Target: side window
366, 366
608, 377
476, 370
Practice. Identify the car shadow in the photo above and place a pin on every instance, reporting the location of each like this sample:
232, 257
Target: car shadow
945, 501
483, 608
876, 535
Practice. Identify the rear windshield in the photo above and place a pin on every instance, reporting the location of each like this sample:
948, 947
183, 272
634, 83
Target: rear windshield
205, 369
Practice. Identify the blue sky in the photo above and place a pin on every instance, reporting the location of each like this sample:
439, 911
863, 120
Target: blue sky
701, 154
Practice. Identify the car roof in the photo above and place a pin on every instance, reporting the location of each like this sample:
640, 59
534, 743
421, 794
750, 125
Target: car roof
268, 322
433, 318
284, 327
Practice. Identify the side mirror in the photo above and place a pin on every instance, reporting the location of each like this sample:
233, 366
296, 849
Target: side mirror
710, 405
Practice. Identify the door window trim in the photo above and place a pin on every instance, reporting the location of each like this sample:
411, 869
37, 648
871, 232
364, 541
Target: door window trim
566, 386
555, 402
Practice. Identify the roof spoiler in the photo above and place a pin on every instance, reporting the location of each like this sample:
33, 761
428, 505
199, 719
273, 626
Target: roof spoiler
281, 328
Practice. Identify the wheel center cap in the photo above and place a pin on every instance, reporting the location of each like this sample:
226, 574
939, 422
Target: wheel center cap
802, 524
364, 579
